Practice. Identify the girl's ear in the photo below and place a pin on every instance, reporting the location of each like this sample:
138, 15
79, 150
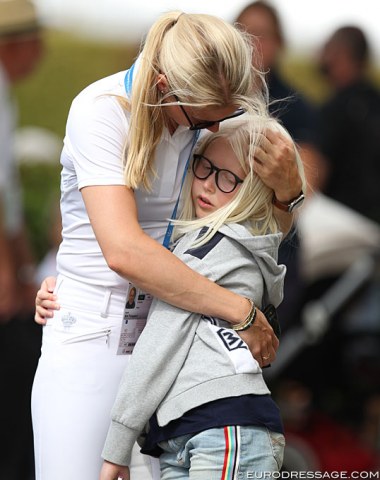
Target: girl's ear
162, 83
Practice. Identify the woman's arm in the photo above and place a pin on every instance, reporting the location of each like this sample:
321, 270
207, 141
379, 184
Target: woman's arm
275, 163
131, 253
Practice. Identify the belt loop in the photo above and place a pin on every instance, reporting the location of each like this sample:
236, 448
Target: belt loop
106, 301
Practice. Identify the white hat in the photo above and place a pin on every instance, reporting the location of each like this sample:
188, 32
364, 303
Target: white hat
17, 16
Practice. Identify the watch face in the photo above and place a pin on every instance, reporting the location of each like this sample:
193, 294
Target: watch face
296, 203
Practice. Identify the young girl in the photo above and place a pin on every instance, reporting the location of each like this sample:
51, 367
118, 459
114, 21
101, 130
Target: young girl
211, 415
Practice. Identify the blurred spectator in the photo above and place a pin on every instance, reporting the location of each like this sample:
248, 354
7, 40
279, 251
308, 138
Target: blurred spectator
349, 123
297, 114
348, 134
261, 20
316, 441
20, 49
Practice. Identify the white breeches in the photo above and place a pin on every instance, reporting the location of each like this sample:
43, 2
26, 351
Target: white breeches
76, 382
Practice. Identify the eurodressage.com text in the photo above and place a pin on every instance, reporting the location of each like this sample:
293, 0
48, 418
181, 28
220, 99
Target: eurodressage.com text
344, 475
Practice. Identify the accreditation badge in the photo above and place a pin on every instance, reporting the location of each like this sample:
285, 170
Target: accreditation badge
134, 319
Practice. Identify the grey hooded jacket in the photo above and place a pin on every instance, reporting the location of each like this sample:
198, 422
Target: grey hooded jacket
182, 359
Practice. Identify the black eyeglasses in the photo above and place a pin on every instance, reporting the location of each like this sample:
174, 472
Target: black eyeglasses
207, 123
225, 180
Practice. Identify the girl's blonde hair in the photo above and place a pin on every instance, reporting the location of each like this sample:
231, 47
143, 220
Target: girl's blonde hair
252, 205
207, 63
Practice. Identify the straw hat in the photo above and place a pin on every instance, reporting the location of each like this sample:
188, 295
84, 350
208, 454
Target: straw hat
17, 16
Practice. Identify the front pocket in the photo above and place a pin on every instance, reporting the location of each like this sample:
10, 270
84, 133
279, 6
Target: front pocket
81, 350
87, 336
82, 360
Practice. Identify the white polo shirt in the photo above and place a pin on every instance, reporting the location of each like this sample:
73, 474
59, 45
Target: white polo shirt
92, 155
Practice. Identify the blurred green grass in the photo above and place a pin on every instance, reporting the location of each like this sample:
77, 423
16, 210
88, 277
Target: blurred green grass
69, 64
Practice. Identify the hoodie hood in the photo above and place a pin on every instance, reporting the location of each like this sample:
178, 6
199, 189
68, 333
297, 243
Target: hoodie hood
264, 249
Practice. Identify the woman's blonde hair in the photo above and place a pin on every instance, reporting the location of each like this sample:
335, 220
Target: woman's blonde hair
207, 63
252, 205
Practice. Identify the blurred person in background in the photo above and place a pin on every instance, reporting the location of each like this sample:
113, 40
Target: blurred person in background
261, 20
20, 51
349, 123
348, 137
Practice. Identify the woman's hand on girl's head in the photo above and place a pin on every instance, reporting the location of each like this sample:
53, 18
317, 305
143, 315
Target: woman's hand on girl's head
111, 471
275, 163
261, 340
46, 301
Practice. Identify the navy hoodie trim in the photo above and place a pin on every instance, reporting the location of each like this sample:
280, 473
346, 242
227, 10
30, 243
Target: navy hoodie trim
202, 251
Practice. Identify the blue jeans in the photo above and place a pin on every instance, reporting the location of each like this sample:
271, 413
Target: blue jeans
229, 453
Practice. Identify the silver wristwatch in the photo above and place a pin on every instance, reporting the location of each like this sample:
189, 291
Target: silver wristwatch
291, 205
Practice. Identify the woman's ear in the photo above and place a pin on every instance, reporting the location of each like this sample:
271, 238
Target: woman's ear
162, 83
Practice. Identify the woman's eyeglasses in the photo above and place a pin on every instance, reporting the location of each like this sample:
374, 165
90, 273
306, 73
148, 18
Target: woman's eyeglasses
225, 180
207, 123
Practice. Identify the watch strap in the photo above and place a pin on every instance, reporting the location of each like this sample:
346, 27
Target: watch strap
291, 204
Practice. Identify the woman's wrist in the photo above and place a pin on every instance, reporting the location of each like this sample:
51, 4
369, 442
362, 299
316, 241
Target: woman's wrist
290, 205
284, 195
248, 321
241, 311
287, 196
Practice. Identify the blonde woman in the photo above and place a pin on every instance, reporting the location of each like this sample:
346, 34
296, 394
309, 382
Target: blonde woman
128, 140
213, 417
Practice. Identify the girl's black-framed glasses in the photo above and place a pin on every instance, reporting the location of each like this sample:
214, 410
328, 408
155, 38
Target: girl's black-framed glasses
207, 123
225, 180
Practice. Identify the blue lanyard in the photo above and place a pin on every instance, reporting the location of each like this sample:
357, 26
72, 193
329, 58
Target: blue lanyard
169, 230
128, 79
